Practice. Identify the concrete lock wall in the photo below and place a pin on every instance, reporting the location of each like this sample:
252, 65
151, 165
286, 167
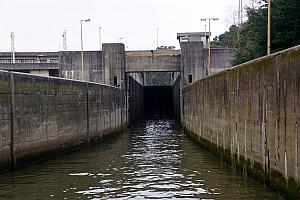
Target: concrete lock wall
70, 65
176, 98
41, 116
221, 58
249, 116
136, 100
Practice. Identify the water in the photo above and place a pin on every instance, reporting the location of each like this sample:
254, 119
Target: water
154, 160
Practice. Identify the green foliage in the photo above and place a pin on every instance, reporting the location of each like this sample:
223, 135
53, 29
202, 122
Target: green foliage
227, 39
158, 78
285, 31
253, 36
285, 24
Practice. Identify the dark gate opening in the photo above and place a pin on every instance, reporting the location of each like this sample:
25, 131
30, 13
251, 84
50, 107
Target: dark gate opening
158, 101
152, 101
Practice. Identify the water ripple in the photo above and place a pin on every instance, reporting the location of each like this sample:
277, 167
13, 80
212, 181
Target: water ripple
154, 160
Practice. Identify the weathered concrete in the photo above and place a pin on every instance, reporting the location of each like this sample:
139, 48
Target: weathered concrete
192, 62
70, 65
153, 61
135, 100
5, 121
113, 58
176, 98
41, 116
221, 58
250, 115
110, 65
42, 63
106, 66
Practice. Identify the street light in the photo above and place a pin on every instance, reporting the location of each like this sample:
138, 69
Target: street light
12, 37
157, 38
82, 65
269, 27
64, 35
100, 43
209, 52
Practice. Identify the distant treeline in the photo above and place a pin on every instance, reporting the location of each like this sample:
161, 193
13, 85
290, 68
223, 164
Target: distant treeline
158, 78
250, 40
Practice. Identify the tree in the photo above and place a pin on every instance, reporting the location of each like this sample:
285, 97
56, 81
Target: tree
285, 29
253, 35
227, 39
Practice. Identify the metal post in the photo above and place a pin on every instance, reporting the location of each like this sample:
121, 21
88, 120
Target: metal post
156, 37
12, 35
82, 65
269, 27
209, 53
65, 40
82, 62
209, 50
100, 42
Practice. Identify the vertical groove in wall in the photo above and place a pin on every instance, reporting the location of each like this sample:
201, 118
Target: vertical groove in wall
87, 113
12, 117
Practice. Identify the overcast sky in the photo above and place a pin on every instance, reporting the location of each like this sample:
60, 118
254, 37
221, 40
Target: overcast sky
39, 24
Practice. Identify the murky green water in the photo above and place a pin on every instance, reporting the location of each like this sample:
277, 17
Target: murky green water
154, 160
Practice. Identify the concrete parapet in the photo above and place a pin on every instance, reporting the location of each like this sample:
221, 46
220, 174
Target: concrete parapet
250, 114
113, 60
70, 65
41, 116
192, 61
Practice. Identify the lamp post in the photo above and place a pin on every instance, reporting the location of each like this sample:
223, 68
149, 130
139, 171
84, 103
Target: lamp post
269, 27
205, 35
209, 51
82, 65
156, 38
12, 37
64, 35
100, 43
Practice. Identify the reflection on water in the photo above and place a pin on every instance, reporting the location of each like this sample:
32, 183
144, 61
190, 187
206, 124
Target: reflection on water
154, 160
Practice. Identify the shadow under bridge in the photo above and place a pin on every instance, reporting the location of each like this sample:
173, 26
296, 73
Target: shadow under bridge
153, 95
